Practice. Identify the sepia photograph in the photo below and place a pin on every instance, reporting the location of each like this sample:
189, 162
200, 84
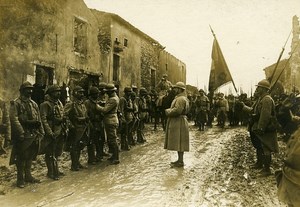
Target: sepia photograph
149, 103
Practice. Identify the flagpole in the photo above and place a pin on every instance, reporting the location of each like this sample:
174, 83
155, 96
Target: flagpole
212, 31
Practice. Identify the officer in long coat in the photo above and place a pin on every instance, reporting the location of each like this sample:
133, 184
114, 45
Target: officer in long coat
111, 121
264, 138
27, 130
52, 118
177, 129
76, 113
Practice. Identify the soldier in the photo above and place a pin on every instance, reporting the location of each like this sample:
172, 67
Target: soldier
222, 109
77, 139
263, 137
143, 111
102, 101
162, 87
136, 120
111, 121
231, 110
95, 118
202, 109
126, 109
27, 131
4, 127
177, 130
52, 119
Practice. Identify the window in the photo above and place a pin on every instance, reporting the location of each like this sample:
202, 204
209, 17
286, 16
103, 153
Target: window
80, 37
125, 42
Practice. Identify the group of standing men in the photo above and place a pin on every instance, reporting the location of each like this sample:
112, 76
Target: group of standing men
83, 122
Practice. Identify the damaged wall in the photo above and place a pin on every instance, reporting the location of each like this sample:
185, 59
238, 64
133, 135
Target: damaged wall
42, 33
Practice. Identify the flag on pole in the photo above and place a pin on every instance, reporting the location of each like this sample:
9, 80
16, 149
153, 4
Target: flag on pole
219, 74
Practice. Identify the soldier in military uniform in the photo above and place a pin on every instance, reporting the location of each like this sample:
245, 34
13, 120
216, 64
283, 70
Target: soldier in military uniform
54, 125
202, 109
111, 121
77, 139
163, 87
27, 131
4, 127
263, 137
102, 102
143, 112
222, 109
126, 109
96, 124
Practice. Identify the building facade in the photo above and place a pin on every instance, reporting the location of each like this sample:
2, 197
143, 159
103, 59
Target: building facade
65, 42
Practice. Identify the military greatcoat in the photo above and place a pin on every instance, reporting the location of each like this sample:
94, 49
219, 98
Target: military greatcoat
177, 129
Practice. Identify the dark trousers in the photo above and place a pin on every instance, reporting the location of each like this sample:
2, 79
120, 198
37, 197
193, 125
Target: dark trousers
24, 161
111, 133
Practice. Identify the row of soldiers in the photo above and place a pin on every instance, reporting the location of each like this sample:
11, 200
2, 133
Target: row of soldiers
83, 122
204, 109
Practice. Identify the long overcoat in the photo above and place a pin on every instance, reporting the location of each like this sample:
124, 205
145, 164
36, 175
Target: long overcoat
177, 129
289, 185
265, 110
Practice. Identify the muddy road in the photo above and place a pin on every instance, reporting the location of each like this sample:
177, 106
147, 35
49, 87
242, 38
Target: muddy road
216, 173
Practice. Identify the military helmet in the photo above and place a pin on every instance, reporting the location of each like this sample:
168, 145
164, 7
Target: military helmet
127, 89
201, 90
78, 88
110, 87
94, 90
165, 75
264, 84
143, 91
53, 88
102, 85
179, 85
26, 84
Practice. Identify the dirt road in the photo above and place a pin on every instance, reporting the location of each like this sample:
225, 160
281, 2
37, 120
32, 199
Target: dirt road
216, 173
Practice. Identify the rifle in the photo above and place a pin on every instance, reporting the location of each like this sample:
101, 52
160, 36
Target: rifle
273, 85
280, 55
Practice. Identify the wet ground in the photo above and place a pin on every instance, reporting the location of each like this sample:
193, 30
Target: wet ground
216, 173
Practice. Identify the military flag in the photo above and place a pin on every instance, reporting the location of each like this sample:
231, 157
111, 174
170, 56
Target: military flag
219, 73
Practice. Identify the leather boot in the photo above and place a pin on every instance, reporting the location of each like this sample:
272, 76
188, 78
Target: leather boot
75, 164
49, 165
266, 171
115, 156
259, 160
55, 169
20, 173
91, 154
28, 176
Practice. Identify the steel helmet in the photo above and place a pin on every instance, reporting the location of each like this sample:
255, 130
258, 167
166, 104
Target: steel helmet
94, 90
264, 84
179, 85
26, 85
127, 89
102, 85
110, 87
78, 88
53, 88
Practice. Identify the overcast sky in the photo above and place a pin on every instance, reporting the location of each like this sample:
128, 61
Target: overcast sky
251, 33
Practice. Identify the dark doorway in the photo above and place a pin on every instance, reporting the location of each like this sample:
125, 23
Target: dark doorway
116, 67
43, 77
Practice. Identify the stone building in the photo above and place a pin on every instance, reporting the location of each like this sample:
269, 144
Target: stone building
289, 70
65, 42
131, 57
